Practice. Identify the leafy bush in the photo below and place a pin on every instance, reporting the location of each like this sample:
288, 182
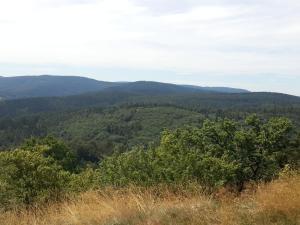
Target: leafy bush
41, 170
87, 179
27, 177
54, 148
219, 153
133, 167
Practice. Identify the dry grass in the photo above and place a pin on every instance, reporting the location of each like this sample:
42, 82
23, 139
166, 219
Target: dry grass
274, 203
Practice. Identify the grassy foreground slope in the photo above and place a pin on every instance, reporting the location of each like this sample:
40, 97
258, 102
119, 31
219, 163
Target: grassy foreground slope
277, 203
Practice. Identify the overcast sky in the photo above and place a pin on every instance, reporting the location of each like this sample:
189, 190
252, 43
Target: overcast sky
253, 44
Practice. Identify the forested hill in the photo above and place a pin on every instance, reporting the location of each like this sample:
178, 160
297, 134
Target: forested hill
123, 115
41, 86
96, 123
46, 86
112, 97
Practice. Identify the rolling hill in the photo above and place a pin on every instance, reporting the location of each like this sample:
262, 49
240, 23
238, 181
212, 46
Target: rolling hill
47, 85
96, 117
126, 116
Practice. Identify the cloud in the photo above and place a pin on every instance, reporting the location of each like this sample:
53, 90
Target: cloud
189, 37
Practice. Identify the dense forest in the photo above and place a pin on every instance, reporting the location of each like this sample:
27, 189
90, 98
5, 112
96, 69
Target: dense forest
96, 124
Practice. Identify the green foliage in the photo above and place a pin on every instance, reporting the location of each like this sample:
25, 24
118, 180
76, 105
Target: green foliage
214, 153
134, 167
219, 153
94, 125
41, 170
27, 177
87, 179
260, 148
54, 148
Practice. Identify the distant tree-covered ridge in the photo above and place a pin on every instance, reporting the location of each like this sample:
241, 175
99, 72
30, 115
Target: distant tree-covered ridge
42, 86
48, 85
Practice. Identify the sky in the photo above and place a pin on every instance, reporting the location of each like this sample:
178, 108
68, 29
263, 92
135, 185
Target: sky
252, 44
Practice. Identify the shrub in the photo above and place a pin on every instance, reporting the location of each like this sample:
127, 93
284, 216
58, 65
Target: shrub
87, 179
219, 153
27, 177
52, 147
133, 167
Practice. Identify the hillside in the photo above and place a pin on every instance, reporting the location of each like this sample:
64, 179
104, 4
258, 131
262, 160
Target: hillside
47, 85
41, 86
97, 123
218, 89
149, 95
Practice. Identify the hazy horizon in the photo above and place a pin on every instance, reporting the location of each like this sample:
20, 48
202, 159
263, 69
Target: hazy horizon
252, 45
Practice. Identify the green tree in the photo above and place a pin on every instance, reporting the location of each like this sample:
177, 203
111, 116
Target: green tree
27, 177
262, 148
54, 148
221, 152
133, 167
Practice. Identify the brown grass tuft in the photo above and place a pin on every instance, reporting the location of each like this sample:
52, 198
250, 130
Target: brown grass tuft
274, 203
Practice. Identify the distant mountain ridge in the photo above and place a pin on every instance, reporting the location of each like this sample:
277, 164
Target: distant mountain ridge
56, 86
218, 89
47, 85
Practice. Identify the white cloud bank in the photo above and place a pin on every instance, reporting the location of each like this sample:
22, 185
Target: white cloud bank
188, 36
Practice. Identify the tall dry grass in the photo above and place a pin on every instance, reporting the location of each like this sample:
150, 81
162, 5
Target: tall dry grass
274, 203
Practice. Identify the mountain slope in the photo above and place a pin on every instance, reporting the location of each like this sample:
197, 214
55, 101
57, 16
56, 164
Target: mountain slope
218, 89
97, 123
126, 95
43, 86
151, 87
46, 86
